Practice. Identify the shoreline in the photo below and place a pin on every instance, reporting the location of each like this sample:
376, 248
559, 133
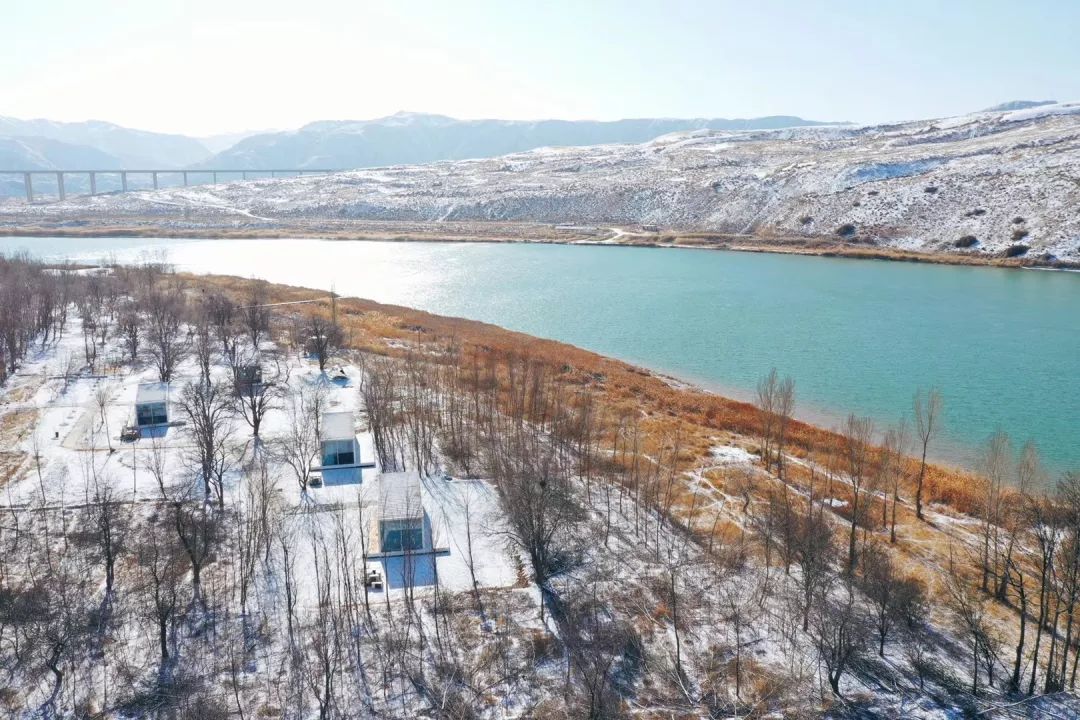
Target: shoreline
666, 405
957, 456
530, 233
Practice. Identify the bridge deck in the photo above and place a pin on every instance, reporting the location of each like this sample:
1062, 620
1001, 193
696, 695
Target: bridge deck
60, 174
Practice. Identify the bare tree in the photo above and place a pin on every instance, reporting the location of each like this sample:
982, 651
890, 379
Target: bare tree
739, 607
784, 408
812, 545
1029, 474
538, 498
160, 570
927, 421
221, 313
976, 626
995, 465
469, 556
894, 599
895, 449
840, 632
257, 389
198, 530
600, 648
255, 517
255, 315
109, 526
379, 391
155, 463
202, 344
129, 325
209, 409
324, 337
298, 447
167, 344
858, 435
1041, 519
767, 389
101, 399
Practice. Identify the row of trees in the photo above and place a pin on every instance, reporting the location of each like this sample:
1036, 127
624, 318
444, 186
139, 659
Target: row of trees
1024, 557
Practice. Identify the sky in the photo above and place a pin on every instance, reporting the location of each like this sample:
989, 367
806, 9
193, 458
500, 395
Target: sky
202, 67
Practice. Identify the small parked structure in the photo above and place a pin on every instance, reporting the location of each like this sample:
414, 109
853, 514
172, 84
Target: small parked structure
247, 379
340, 450
401, 514
152, 405
373, 578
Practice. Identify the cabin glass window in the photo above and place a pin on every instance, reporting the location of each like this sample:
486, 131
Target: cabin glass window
402, 539
151, 414
338, 452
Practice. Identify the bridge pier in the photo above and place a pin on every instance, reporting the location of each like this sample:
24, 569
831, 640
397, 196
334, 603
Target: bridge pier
243, 176
123, 182
60, 185
155, 180
185, 178
93, 183
29, 187
215, 177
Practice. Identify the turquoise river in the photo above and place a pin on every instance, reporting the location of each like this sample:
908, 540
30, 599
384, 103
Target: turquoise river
857, 335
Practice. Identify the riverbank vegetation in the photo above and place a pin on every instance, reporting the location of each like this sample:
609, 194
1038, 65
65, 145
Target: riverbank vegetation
670, 552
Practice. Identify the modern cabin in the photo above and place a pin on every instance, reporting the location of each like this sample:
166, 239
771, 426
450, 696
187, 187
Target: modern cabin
340, 449
247, 379
401, 514
152, 405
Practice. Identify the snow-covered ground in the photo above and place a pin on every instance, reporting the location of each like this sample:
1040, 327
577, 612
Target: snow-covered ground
630, 569
76, 443
1005, 178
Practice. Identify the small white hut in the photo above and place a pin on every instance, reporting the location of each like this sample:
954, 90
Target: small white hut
247, 379
152, 404
401, 513
340, 450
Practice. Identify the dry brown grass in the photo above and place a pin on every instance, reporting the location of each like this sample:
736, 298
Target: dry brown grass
772, 240
15, 426
701, 419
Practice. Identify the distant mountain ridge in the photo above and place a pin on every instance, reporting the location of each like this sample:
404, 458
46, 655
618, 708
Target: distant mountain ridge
407, 138
1019, 105
121, 147
996, 184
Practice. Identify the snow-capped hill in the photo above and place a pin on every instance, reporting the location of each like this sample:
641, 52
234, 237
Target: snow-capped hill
130, 148
412, 138
1019, 105
992, 183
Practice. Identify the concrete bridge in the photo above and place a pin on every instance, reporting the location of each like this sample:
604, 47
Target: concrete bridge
212, 174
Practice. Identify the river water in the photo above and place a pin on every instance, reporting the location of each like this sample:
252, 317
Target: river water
857, 335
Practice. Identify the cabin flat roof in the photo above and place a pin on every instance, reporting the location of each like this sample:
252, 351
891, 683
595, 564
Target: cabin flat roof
399, 496
338, 426
153, 392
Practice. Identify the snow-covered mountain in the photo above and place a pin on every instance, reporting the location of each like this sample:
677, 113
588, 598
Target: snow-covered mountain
1018, 105
986, 182
120, 147
411, 138
41, 153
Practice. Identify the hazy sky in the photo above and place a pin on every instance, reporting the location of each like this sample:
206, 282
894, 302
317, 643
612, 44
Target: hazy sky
206, 66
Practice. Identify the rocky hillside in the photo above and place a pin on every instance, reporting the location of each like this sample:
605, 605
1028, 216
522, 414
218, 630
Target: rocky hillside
996, 182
